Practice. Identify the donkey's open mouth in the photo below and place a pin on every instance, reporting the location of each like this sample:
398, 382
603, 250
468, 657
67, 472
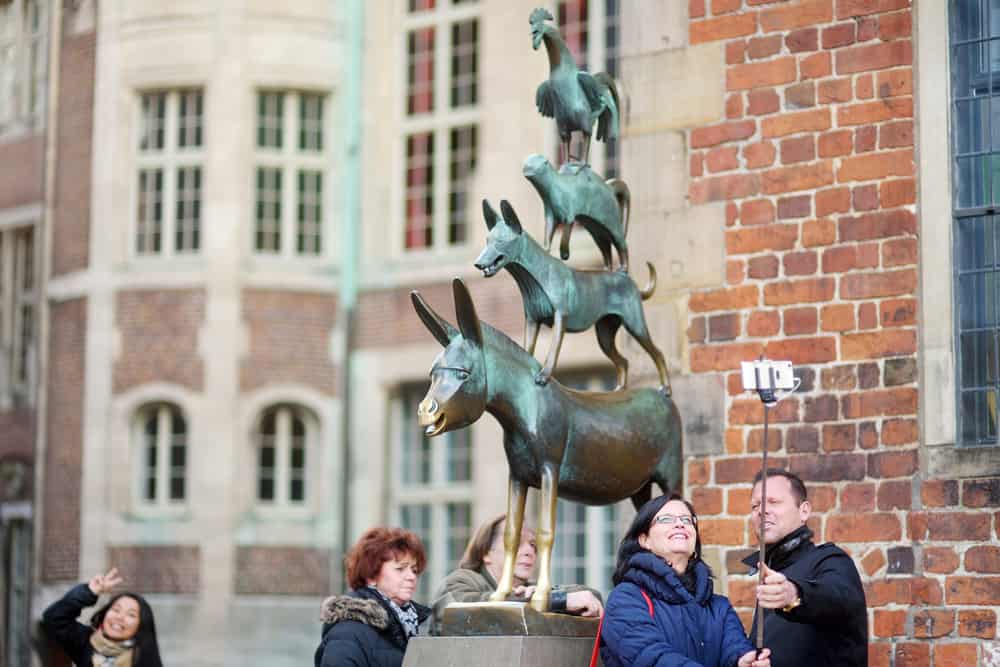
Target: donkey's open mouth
436, 427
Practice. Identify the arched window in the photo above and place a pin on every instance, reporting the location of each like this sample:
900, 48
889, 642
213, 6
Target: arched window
283, 436
162, 435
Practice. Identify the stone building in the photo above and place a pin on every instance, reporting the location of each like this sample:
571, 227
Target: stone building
225, 206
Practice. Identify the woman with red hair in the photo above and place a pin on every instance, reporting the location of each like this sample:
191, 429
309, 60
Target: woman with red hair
371, 625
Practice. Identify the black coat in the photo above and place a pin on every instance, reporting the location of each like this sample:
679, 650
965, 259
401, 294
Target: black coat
361, 630
61, 626
830, 626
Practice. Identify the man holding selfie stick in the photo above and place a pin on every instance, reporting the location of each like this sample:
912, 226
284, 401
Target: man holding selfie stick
811, 607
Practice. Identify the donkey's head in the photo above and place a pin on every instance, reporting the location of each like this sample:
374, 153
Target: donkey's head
457, 395
504, 240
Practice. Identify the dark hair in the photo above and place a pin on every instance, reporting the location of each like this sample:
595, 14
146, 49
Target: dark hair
798, 487
641, 524
481, 543
375, 547
147, 650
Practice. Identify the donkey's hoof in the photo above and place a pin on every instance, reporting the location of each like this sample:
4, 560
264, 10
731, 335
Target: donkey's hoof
540, 603
541, 379
498, 596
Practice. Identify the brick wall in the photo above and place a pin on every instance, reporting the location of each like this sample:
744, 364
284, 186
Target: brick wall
814, 160
386, 317
71, 223
21, 171
159, 337
158, 569
18, 429
290, 339
64, 447
282, 571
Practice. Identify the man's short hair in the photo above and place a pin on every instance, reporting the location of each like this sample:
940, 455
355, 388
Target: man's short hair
798, 487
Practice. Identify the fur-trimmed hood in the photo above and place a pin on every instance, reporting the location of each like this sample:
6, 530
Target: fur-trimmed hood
338, 608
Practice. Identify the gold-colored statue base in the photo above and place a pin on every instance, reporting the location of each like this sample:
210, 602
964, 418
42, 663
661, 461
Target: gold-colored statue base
492, 619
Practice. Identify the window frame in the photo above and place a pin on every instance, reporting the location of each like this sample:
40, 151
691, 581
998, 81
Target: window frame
30, 74
938, 382
18, 347
282, 506
162, 505
439, 123
169, 160
290, 161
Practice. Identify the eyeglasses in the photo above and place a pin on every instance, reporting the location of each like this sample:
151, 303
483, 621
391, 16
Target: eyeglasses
670, 519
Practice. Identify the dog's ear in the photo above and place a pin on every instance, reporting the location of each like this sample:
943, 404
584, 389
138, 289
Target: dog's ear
442, 331
510, 217
465, 311
489, 215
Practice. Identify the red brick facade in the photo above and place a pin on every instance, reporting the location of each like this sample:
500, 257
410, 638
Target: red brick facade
290, 336
815, 161
64, 442
159, 569
159, 338
18, 429
21, 171
265, 571
71, 224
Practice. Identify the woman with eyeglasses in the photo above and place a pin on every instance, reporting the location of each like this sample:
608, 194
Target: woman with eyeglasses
662, 610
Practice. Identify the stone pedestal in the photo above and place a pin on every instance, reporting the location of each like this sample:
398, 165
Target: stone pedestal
504, 634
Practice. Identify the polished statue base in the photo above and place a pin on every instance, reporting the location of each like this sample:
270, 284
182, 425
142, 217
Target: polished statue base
504, 634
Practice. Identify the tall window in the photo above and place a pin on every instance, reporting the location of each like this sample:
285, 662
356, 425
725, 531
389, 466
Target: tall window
440, 143
291, 158
590, 29
23, 51
975, 54
587, 537
432, 487
168, 207
162, 436
283, 437
18, 315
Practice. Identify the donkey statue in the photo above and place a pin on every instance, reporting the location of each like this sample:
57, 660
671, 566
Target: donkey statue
594, 448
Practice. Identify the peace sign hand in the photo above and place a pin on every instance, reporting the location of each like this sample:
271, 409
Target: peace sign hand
103, 583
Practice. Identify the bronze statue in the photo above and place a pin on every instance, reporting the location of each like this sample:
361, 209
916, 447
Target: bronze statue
576, 99
566, 299
595, 448
577, 194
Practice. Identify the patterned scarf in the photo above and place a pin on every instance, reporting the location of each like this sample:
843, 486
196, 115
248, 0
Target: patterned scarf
110, 653
407, 614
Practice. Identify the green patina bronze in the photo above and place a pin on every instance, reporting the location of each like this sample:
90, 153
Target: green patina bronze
576, 99
591, 447
576, 193
567, 299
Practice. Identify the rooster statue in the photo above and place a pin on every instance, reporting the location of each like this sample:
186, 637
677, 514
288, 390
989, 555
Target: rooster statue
576, 99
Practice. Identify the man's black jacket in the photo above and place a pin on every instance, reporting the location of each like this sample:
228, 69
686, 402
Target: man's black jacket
830, 627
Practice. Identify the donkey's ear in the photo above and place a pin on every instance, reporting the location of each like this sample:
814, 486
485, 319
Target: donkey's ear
439, 328
465, 311
509, 216
489, 215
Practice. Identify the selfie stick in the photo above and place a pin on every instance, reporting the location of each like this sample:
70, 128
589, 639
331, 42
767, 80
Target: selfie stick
765, 389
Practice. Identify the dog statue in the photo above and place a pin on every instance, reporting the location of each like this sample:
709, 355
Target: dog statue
577, 194
567, 299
